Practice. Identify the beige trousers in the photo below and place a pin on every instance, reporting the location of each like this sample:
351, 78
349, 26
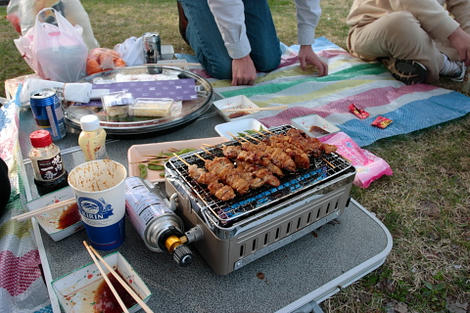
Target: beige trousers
399, 35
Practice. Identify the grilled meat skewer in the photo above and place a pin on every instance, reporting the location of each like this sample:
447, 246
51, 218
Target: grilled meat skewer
216, 188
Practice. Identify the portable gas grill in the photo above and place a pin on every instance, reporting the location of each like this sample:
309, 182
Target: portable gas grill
241, 230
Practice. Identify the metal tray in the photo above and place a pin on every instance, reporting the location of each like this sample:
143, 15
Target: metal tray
191, 110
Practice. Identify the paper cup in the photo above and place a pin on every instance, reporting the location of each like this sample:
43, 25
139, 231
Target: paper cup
100, 191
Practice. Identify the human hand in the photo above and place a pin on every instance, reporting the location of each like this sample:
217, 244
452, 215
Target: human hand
460, 40
243, 71
307, 56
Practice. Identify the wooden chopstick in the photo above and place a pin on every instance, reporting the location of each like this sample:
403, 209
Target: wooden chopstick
136, 297
106, 279
44, 209
271, 108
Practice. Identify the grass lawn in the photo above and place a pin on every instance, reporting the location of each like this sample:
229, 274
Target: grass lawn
425, 204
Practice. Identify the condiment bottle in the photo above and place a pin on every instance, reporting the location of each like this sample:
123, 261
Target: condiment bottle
92, 139
46, 160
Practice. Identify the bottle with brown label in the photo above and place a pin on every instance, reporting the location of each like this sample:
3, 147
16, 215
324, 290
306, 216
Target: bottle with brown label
46, 160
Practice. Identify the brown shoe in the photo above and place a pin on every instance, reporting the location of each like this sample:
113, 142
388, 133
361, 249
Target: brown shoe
183, 22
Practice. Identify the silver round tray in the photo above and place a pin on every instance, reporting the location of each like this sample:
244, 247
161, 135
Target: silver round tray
191, 109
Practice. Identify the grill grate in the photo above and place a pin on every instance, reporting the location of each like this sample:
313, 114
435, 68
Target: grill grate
321, 169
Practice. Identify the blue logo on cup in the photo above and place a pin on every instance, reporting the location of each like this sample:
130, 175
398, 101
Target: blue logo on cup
94, 209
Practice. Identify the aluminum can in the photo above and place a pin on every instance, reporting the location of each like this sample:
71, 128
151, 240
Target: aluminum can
48, 113
150, 215
152, 47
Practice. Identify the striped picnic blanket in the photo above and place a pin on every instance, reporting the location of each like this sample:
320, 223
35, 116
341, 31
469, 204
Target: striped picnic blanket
368, 85
22, 289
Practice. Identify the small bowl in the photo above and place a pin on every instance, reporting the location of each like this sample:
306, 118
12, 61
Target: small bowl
76, 291
314, 125
237, 102
238, 127
61, 222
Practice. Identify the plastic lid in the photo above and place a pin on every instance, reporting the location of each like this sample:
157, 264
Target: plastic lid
40, 138
89, 122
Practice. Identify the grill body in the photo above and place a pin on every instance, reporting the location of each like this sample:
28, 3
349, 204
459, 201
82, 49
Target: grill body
233, 240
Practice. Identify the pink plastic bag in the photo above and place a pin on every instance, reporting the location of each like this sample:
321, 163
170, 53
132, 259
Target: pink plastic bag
368, 166
55, 52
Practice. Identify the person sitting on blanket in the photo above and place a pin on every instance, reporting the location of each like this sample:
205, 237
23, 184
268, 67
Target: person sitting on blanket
417, 40
235, 38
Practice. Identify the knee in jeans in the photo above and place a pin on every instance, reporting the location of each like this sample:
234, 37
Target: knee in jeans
222, 69
267, 62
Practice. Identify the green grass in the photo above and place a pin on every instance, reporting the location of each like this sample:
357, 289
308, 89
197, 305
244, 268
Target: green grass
425, 204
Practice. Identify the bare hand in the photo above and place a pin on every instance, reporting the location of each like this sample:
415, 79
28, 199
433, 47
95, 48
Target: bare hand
460, 40
308, 57
243, 71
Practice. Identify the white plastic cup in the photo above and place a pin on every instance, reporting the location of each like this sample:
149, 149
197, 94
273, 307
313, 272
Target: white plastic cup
100, 191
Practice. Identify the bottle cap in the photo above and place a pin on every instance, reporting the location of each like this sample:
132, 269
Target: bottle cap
89, 122
40, 138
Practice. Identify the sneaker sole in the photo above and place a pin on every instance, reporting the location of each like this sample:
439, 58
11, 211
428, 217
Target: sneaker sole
408, 71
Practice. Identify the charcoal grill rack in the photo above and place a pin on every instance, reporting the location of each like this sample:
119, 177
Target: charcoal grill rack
225, 213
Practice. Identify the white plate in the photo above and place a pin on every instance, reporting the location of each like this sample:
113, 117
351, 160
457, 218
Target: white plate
50, 221
76, 291
237, 102
237, 127
308, 123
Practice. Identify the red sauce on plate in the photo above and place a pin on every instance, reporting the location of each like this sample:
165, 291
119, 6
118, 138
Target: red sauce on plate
105, 302
69, 217
238, 114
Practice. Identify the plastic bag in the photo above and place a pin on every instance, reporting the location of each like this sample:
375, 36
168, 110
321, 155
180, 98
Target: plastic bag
22, 14
54, 52
368, 166
131, 50
102, 59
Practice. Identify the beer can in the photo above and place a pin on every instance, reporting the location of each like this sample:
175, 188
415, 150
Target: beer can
48, 113
152, 47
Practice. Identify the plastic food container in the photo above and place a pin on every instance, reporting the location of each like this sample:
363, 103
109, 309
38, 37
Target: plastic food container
82, 290
238, 127
314, 125
61, 222
233, 103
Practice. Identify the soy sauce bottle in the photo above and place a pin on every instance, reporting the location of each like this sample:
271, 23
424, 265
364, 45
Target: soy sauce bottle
46, 160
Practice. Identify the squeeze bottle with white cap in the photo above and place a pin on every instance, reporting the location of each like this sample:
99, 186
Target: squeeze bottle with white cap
92, 138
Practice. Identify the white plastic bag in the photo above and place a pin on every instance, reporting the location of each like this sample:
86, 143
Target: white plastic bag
131, 51
58, 52
22, 13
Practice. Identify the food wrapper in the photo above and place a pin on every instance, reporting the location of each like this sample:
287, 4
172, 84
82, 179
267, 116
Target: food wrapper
369, 167
360, 113
381, 122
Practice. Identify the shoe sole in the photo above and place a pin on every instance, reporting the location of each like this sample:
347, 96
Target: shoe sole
408, 71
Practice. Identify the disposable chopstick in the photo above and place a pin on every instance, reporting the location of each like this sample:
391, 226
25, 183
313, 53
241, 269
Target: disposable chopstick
271, 108
106, 279
44, 209
136, 297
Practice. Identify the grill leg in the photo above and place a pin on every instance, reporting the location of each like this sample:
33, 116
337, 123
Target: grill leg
311, 307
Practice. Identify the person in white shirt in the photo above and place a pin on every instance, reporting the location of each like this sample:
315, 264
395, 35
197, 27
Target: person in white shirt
233, 39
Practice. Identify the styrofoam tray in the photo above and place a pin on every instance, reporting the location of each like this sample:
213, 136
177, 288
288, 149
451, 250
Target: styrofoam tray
50, 221
76, 290
138, 153
309, 123
236, 128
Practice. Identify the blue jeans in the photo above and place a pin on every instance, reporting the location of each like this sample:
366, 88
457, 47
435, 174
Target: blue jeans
206, 41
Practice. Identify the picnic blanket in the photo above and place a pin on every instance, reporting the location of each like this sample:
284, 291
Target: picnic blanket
369, 86
22, 288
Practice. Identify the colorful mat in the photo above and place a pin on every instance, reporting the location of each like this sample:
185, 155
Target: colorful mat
22, 289
368, 85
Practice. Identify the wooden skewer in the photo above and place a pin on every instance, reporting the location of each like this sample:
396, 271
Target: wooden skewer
197, 154
271, 108
332, 166
251, 137
206, 151
134, 295
106, 279
44, 209
181, 159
